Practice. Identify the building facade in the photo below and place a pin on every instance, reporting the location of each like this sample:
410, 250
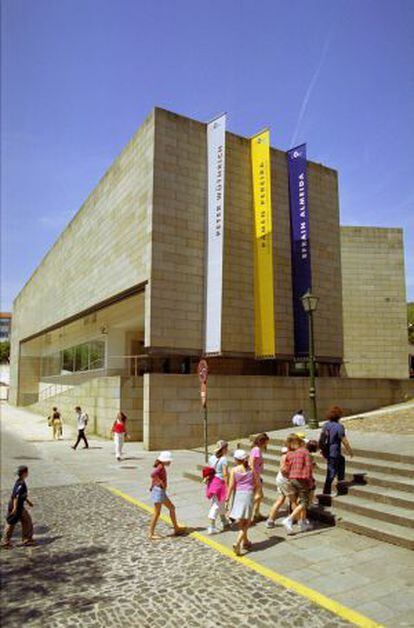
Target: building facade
5, 326
127, 281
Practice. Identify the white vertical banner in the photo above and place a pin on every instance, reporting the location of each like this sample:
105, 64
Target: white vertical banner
216, 149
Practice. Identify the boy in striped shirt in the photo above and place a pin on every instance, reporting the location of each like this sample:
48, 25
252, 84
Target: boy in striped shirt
298, 468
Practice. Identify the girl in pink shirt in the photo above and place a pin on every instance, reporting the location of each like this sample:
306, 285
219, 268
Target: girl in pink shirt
119, 432
256, 463
159, 495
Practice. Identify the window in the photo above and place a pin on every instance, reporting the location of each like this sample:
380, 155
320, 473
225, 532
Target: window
85, 357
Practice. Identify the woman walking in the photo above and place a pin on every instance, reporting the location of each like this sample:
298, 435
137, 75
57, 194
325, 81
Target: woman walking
216, 489
244, 482
256, 463
119, 431
159, 495
330, 441
55, 422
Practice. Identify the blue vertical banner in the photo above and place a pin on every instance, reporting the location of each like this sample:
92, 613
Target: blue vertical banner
300, 244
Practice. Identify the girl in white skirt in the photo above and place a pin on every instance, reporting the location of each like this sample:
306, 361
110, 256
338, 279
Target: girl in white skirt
244, 482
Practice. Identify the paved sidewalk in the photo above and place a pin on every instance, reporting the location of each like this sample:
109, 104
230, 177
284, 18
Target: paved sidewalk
374, 578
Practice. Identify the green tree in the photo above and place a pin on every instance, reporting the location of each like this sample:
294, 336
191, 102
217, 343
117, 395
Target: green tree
4, 351
410, 320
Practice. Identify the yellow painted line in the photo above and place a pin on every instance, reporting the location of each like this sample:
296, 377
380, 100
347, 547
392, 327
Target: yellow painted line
314, 596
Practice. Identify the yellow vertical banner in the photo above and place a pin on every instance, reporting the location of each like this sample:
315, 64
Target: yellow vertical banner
263, 247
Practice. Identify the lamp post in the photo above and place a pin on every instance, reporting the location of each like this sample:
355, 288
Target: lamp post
310, 303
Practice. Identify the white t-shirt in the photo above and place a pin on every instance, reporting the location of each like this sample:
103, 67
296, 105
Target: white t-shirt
298, 420
82, 419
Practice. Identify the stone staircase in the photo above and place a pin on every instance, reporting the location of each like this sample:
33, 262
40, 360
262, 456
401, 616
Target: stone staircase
378, 499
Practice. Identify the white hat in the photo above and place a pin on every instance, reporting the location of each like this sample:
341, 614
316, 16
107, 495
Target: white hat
240, 454
284, 450
165, 456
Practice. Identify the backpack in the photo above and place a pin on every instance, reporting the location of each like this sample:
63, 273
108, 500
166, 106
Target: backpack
324, 442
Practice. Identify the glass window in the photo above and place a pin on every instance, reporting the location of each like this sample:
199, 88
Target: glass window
67, 360
82, 357
97, 354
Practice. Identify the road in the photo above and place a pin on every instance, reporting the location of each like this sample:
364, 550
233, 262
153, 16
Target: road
94, 566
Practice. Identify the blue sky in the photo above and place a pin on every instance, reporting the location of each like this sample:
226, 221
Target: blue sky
79, 76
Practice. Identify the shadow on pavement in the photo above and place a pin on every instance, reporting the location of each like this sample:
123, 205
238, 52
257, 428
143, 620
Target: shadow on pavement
259, 546
52, 583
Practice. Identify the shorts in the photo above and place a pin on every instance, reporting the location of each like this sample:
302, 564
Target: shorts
158, 495
285, 489
302, 491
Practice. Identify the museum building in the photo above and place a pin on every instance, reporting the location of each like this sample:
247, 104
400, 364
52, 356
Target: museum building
114, 317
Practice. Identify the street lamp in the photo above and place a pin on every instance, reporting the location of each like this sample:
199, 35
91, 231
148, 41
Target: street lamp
310, 303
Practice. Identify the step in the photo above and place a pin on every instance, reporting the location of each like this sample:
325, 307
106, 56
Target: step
276, 443
387, 495
352, 521
374, 510
374, 528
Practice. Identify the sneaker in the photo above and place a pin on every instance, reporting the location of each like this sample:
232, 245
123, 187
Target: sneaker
287, 523
212, 530
305, 526
270, 523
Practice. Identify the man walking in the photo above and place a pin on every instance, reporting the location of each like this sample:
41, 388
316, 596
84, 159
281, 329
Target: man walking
82, 421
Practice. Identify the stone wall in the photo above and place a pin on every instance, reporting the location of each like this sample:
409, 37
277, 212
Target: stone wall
102, 398
103, 251
241, 405
178, 263
374, 300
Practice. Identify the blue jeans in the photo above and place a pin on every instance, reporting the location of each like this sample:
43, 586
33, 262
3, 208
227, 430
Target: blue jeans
336, 467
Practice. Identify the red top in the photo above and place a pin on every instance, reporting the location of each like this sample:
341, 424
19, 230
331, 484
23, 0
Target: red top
298, 465
119, 427
159, 477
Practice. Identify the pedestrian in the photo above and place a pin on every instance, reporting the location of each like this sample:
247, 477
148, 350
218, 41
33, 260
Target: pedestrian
159, 495
257, 464
244, 482
81, 421
55, 422
284, 490
330, 443
298, 469
216, 489
298, 419
17, 512
120, 433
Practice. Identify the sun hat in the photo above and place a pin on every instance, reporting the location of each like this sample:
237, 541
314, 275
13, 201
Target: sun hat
284, 450
301, 435
240, 454
165, 456
221, 444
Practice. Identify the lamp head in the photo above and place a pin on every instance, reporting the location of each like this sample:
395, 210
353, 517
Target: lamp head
309, 301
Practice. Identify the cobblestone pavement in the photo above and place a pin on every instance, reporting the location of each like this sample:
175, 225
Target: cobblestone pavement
396, 422
94, 567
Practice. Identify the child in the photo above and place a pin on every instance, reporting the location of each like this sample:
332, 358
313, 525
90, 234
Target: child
256, 464
159, 496
298, 469
17, 512
217, 487
284, 490
244, 483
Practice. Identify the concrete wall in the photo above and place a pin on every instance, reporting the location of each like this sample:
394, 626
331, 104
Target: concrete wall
178, 264
102, 398
374, 300
104, 250
241, 405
